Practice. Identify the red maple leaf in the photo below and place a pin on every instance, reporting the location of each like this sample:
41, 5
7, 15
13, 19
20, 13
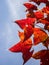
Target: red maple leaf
39, 36
28, 31
39, 15
22, 23
30, 6
24, 48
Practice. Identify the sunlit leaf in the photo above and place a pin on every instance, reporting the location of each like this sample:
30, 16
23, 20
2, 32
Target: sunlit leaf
22, 23
24, 48
28, 31
21, 35
39, 36
39, 14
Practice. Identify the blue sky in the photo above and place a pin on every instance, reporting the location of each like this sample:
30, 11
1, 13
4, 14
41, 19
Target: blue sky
11, 10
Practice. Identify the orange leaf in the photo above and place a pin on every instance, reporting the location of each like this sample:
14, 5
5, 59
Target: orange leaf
39, 36
22, 23
28, 31
21, 35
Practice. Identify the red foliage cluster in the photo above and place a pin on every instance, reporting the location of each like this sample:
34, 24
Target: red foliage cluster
40, 36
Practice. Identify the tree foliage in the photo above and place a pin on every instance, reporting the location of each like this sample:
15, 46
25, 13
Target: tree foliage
28, 25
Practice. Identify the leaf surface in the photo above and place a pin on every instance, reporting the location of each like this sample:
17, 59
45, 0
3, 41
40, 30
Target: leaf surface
39, 36
22, 23
24, 48
39, 15
40, 54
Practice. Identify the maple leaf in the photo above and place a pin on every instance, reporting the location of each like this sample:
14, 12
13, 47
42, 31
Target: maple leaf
30, 6
22, 23
39, 15
46, 42
24, 48
28, 31
39, 36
